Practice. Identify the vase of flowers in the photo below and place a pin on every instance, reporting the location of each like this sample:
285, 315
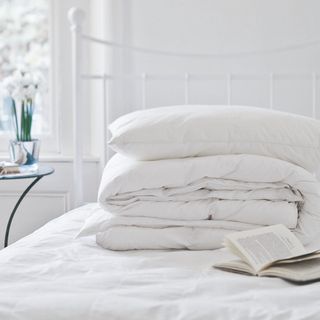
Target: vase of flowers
21, 89
25, 152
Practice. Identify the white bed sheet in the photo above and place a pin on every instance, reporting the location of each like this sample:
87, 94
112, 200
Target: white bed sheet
50, 275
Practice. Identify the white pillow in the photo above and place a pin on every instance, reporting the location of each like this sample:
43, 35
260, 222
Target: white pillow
200, 130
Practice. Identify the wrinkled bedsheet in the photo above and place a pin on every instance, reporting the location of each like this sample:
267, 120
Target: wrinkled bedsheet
50, 275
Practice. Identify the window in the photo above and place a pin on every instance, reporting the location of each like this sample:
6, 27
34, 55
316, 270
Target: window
24, 34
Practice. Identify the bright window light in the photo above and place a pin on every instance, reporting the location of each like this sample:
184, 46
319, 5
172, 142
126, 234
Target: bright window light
24, 34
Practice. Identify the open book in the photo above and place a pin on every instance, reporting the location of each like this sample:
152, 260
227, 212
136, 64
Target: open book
271, 251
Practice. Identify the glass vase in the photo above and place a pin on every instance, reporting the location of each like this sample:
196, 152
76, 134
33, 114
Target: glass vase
25, 153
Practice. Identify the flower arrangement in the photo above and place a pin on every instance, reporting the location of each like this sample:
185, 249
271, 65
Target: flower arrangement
21, 89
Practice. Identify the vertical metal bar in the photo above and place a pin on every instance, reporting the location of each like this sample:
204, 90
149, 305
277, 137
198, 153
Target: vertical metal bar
143, 90
108, 119
314, 95
229, 89
271, 90
76, 17
105, 118
186, 88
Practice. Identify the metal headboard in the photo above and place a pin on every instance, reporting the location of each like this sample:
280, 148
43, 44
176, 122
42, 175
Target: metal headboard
76, 18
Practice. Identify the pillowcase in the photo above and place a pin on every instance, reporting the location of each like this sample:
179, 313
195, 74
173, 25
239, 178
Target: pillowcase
202, 130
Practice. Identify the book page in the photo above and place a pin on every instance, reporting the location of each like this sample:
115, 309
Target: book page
263, 246
300, 271
305, 257
238, 266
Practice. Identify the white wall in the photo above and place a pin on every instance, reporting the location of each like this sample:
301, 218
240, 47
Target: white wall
221, 27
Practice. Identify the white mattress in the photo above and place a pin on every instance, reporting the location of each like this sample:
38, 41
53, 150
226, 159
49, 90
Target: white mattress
51, 275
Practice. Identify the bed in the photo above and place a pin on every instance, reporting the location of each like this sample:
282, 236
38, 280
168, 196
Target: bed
51, 275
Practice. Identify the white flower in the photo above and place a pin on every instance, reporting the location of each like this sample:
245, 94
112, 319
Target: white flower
26, 80
8, 86
23, 85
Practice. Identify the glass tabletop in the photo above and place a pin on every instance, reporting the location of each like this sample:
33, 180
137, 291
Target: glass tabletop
40, 172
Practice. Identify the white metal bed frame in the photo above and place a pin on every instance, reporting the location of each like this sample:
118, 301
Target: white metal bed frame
76, 18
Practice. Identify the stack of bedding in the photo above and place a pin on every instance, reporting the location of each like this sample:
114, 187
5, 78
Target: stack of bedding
186, 176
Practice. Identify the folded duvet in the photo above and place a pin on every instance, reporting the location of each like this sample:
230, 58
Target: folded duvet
193, 202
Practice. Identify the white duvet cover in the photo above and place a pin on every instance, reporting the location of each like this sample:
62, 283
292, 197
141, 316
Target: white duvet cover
50, 275
193, 202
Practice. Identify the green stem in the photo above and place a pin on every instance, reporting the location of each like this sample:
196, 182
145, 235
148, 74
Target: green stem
14, 109
22, 126
30, 119
27, 121
30, 115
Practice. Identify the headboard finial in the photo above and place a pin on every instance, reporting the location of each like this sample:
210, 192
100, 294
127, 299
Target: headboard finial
76, 17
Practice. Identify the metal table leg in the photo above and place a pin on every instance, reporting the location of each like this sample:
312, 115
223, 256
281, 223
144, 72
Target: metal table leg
6, 239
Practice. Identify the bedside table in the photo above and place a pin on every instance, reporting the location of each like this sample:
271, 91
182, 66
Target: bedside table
36, 175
